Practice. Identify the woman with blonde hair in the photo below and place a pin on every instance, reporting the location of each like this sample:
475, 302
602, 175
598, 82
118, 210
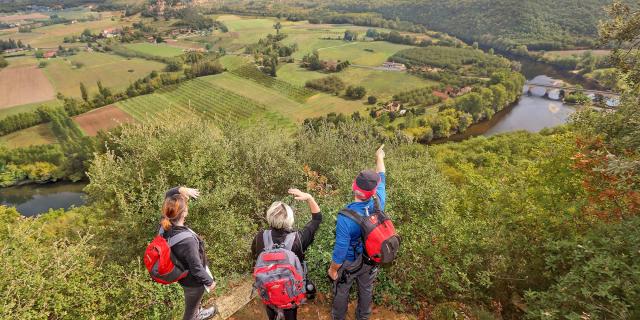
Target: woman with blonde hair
188, 252
280, 218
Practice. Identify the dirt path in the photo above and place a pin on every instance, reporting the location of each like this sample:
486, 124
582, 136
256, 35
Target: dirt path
236, 305
23, 85
316, 311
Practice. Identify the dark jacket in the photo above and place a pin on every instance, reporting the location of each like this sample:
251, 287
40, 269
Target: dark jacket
190, 253
304, 238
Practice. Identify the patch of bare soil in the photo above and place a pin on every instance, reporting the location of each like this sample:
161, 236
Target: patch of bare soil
102, 119
24, 85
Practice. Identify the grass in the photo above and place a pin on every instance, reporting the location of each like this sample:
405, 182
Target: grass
28, 108
294, 74
199, 97
383, 84
295, 92
22, 61
233, 62
317, 105
247, 30
52, 36
112, 70
357, 53
38, 135
568, 53
160, 50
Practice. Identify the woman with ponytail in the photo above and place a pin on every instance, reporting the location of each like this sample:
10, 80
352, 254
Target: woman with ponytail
189, 252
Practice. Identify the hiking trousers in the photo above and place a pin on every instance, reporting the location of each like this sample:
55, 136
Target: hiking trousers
364, 275
289, 314
192, 298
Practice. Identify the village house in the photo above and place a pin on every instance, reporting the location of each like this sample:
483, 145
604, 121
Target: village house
443, 96
194, 50
110, 32
464, 90
393, 106
329, 65
394, 66
50, 54
428, 69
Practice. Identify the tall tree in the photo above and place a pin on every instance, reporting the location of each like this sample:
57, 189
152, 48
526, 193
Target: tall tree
277, 26
84, 92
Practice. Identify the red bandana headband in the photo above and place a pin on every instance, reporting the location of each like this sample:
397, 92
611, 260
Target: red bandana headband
364, 194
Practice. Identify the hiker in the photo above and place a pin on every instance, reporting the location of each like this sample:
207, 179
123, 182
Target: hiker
353, 261
282, 246
188, 252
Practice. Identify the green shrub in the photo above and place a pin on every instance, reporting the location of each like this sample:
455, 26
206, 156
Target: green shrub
596, 276
48, 276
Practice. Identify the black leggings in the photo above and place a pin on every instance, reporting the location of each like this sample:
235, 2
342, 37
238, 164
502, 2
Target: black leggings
289, 314
192, 298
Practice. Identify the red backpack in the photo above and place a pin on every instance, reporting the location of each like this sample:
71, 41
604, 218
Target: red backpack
381, 242
161, 264
279, 276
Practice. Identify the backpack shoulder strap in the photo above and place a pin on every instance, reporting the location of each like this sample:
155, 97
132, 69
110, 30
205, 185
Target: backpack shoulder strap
376, 204
357, 218
181, 237
289, 240
267, 239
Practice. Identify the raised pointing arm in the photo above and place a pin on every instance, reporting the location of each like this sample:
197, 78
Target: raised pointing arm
380, 159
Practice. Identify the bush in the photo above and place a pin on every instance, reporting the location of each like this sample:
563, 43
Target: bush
356, 92
174, 65
43, 64
372, 100
49, 275
331, 84
204, 68
594, 276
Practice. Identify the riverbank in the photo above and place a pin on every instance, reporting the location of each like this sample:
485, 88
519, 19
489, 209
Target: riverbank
35, 199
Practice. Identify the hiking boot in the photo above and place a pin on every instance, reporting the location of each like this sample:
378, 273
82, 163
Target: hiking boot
207, 313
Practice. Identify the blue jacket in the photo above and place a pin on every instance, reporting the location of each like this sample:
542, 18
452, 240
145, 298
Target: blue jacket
348, 233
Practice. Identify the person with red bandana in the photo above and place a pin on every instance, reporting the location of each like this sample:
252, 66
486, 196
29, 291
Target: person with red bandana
349, 262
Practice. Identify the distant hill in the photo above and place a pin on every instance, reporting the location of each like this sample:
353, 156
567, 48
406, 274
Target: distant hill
539, 24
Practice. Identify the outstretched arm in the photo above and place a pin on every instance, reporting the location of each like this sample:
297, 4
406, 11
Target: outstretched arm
380, 159
308, 233
303, 196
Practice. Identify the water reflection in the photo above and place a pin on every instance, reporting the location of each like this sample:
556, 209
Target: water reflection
31, 200
533, 114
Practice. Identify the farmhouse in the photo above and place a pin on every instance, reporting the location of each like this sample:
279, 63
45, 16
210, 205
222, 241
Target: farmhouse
50, 54
194, 50
393, 106
394, 66
110, 32
440, 95
464, 90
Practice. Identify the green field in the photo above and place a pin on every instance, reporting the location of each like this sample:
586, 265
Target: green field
295, 92
356, 52
234, 62
159, 50
38, 135
28, 108
115, 72
199, 97
51, 36
383, 84
245, 31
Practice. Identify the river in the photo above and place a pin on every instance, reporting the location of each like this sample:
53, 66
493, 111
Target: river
34, 199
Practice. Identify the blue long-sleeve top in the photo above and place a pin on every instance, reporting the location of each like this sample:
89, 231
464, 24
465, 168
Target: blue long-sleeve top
348, 234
